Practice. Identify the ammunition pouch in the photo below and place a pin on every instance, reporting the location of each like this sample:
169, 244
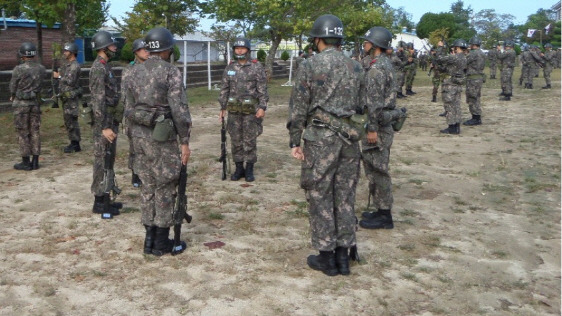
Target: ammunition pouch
352, 128
458, 79
145, 117
26, 95
87, 114
399, 122
164, 128
390, 117
246, 106
72, 94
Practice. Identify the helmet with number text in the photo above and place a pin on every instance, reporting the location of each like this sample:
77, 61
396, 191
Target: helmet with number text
102, 39
27, 49
379, 36
159, 39
242, 42
327, 26
138, 44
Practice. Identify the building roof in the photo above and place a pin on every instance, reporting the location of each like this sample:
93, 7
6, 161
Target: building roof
26, 23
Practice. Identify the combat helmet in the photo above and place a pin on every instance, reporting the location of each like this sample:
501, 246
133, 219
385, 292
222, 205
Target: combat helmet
460, 43
27, 49
508, 44
138, 44
327, 25
475, 40
379, 36
159, 39
409, 45
547, 45
71, 47
102, 39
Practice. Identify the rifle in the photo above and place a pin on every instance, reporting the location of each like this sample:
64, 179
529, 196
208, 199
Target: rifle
224, 154
54, 82
180, 212
109, 183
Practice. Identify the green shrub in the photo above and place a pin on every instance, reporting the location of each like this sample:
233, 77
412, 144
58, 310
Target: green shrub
285, 55
262, 55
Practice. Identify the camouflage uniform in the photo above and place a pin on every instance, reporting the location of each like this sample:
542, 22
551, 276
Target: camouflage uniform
154, 88
328, 85
25, 87
366, 62
452, 85
507, 59
71, 91
104, 97
242, 82
401, 73
124, 82
492, 57
475, 63
379, 96
525, 59
549, 59
410, 69
438, 77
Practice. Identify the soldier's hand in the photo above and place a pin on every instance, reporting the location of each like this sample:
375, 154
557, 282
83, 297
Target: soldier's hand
372, 137
185, 153
297, 153
109, 134
56, 74
260, 113
222, 115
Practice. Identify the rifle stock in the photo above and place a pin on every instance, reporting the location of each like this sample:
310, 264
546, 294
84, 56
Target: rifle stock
180, 212
224, 154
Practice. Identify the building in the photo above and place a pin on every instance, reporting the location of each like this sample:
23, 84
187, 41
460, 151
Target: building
194, 47
421, 45
556, 9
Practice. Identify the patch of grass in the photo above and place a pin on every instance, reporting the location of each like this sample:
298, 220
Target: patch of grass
97, 273
520, 284
408, 221
499, 254
407, 212
18, 201
132, 196
409, 276
406, 161
459, 201
432, 241
217, 216
271, 175
444, 279
457, 210
128, 210
407, 247
416, 181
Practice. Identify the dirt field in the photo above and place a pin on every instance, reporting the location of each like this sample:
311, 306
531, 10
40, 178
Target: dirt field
477, 224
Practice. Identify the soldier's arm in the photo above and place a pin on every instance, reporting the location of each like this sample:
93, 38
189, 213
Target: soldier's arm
261, 85
97, 91
177, 101
71, 75
14, 81
300, 100
225, 89
374, 97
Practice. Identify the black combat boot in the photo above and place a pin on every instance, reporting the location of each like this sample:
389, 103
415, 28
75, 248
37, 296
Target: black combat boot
24, 164
434, 98
135, 180
382, 221
370, 215
73, 147
249, 172
501, 94
530, 86
35, 162
98, 206
506, 97
163, 245
475, 120
149, 239
342, 260
239, 172
521, 82
443, 114
452, 129
546, 87
400, 95
410, 92
325, 262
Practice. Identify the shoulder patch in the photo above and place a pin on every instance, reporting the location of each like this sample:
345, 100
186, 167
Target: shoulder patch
132, 62
254, 61
373, 61
103, 61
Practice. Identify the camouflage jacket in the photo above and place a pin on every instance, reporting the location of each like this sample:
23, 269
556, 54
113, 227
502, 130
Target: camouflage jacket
475, 62
455, 64
549, 58
492, 55
329, 81
104, 93
247, 81
366, 62
507, 58
25, 84
397, 63
153, 88
411, 65
536, 60
70, 76
379, 91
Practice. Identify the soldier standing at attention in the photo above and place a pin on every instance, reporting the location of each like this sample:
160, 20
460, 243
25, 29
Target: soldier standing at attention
103, 89
141, 55
70, 93
25, 86
475, 63
549, 59
244, 96
401, 73
324, 98
411, 67
156, 109
455, 65
507, 58
492, 58
379, 96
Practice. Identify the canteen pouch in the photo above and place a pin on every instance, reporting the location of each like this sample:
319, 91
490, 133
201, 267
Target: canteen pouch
164, 129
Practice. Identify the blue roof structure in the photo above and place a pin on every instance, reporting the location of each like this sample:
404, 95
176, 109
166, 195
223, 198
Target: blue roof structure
26, 23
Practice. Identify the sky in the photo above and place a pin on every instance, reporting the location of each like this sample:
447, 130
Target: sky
521, 9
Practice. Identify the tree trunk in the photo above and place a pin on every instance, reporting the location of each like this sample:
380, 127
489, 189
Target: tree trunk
69, 23
275, 41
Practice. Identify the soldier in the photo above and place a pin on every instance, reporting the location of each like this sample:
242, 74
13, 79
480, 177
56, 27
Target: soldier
366, 60
549, 59
423, 61
532, 60
525, 59
410, 68
507, 59
244, 96
438, 75
475, 63
325, 97
401, 74
106, 116
70, 93
380, 97
452, 84
558, 57
25, 87
141, 55
492, 58
157, 111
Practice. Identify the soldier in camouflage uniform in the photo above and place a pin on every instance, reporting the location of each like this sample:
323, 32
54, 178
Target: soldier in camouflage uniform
25, 87
492, 59
156, 110
438, 75
106, 116
507, 58
475, 63
141, 54
380, 99
524, 58
452, 85
401, 74
411, 67
549, 60
70, 93
532, 60
325, 97
397, 65
244, 96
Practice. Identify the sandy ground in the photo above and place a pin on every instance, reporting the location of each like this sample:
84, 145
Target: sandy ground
477, 227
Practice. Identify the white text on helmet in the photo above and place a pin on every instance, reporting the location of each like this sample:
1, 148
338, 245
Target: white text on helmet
334, 31
153, 44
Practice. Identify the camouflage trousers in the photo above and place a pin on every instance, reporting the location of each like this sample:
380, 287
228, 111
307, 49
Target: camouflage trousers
375, 162
436, 80
27, 121
399, 80
451, 95
473, 90
528, 74
244, 130
131, 160
493, 70
100, 144
506, 74
409, 78
546, 73
70, 114
158, 166
329, 176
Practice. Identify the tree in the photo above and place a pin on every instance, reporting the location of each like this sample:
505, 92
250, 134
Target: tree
402, 19
223, 34
462, 16
491, 27
430, 22
538, 21
555, 40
